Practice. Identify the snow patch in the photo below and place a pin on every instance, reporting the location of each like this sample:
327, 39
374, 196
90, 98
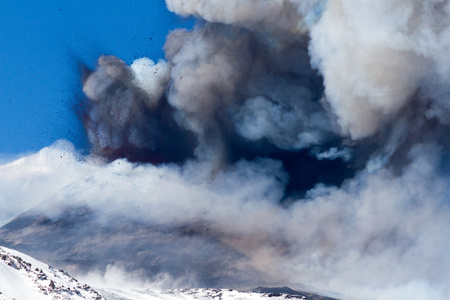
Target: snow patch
23, 277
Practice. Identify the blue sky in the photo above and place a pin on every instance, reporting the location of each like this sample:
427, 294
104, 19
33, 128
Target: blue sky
41, 46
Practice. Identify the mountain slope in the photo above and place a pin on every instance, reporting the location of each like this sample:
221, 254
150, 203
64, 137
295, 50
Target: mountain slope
23, 277
77, 242
207, 294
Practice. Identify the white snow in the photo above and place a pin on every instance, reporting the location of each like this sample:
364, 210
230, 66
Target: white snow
25, 278
192, 294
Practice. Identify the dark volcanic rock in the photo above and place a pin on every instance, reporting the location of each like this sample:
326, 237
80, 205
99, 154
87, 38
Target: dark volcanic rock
79, 242
275, 291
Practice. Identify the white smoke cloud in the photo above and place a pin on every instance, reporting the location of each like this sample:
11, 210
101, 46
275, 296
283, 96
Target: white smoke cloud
375, 56
243, 75
280, 16
288, 128
33, 172
114, 277
152, 78
379, 235
334, 153
246, 13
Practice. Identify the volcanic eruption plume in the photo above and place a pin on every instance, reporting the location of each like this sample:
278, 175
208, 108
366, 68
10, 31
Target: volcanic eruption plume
282, 142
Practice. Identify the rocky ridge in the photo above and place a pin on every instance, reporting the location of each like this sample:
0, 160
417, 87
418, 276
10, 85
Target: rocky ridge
22, 276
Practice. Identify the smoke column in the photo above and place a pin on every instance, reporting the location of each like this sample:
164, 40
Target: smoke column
309, 137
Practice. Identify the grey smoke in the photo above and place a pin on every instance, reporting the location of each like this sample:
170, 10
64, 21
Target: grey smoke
127, 116
378, 229
304, 141
375, 56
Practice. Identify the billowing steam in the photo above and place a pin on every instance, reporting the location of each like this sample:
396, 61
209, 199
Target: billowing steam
375, 58
308, 138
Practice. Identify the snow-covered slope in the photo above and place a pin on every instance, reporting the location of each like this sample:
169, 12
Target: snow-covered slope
25, 278
260, 293
196, 294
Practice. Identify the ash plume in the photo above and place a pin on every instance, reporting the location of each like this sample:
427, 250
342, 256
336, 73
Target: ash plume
376, 57
231, 92
285, 142
128, 116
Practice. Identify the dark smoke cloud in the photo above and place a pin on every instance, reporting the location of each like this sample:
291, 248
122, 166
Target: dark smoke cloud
128, 116
290, 142
240, 93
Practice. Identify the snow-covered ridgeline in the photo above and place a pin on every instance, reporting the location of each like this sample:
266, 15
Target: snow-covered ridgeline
23, 277
196, 294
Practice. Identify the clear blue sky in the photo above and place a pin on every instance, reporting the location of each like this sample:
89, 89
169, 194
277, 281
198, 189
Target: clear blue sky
41, 45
